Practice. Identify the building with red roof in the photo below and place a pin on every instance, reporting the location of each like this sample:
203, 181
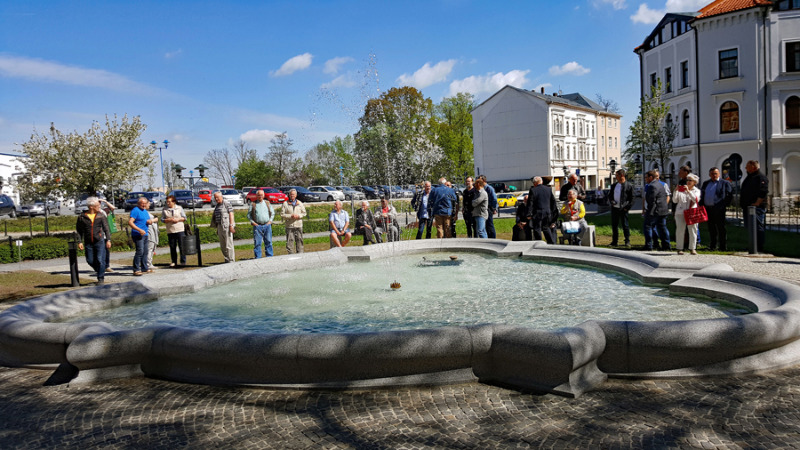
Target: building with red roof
731, 75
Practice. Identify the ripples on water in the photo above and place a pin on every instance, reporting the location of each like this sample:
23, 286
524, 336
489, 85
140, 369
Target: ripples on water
356, 297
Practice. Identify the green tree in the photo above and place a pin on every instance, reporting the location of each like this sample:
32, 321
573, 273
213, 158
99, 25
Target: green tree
71, 164
455, 134
651, 134
324, 161
396, 142
255, 172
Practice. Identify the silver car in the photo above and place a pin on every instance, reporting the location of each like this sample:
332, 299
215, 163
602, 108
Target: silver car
39, 209
327, 193
351, 193
232, 196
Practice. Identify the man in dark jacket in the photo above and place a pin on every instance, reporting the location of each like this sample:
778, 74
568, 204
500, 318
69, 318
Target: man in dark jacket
522, 232
620, 197
92, 228
754, 193
716, 194
466, 197
573, 184
542, 208
365, 224
422, 204
655, 213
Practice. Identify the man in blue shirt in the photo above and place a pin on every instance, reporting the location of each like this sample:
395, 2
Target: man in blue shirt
339, 221
716, 194
422, 204
443, 198
139, 220
260, 216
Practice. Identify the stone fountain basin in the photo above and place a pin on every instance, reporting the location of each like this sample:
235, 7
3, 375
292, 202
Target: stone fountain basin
567, 361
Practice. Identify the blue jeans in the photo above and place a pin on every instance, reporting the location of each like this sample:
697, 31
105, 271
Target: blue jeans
490, 232
422, 224
659, 223
96, 257
262, 234
140, 257
480, 227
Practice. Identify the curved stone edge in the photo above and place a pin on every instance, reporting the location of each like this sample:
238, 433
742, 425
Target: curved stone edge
741, 344
524, 358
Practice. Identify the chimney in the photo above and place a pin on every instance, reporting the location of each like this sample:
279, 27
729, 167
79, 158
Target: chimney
542, 89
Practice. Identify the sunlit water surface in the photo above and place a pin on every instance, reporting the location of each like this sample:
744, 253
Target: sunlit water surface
356, 297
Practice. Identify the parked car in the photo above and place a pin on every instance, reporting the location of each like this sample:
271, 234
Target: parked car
384, 191
206, 195
303, 194
232, 196
271, 194
403, 192
7, 206
157, 199
502, 187
351, 193
39, 209
186, 199
368, 191
327, 193
507, 200
80, 204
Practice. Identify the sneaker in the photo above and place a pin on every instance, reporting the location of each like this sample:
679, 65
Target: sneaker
150, 270
628, 245
109, 269
137, 274
680, 252
100, 282
693, 252
172, 264
614, 244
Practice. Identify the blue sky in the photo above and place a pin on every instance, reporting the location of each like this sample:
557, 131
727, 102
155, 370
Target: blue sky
204, 74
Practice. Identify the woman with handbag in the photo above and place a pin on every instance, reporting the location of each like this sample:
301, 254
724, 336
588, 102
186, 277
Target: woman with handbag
687, 213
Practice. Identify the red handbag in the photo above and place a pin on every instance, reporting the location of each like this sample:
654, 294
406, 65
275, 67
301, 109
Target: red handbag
695, 215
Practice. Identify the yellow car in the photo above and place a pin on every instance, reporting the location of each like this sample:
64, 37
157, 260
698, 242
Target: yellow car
507, 200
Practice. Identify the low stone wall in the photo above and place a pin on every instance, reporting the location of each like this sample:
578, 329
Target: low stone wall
568, 361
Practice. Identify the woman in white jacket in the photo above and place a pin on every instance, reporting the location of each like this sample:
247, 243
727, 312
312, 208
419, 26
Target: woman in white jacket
686, 197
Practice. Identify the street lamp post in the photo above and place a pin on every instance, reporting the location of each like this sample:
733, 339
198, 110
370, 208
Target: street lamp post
179, 171
612, 164
154, 144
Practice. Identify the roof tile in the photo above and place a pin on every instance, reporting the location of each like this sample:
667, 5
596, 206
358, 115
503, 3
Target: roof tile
725, 6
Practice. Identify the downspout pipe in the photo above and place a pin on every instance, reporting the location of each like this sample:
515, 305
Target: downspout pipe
697, 97
766, 104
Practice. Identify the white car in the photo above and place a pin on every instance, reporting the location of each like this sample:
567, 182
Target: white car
327, 193
232, 196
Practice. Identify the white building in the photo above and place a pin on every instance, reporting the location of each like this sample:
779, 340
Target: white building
519, 134
11, 167
731, 72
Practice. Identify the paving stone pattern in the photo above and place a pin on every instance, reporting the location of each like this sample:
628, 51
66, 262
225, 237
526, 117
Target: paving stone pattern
760, 411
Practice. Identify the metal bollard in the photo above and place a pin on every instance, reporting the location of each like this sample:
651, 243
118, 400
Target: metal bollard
752, 235
199, 249
73, 262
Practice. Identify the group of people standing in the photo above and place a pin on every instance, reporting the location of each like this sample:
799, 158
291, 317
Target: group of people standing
715, 195
439, 206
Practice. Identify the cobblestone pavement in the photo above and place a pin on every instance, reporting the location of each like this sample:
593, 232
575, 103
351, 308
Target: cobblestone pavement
756, 411
760, 411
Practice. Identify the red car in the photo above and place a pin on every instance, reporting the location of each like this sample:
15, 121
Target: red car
270, 193
205, 195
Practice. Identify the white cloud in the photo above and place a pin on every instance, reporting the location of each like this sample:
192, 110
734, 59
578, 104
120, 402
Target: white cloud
615, 4
170, 55
427, 75
340, 81
333, 65
258, 137
52, 72
299, 62
570, 68
648, 16
685, 5
489, 83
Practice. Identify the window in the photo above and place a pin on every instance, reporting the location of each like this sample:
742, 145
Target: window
788, 4
653, 80
603, 141
684, 74
729, 117
793, 56
729, 63
669, 120
792, 113
609, 142
685, 124
615, 143
668, 79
